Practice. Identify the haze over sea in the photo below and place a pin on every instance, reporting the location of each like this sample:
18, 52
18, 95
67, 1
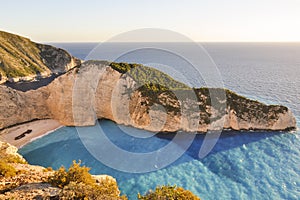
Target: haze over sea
242, 165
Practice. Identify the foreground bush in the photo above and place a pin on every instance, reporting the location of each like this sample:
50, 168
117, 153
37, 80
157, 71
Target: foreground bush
78, 183
9, 157
7, 170
169, 193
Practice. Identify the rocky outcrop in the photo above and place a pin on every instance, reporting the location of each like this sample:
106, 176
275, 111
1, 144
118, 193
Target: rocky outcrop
24, 60
123, 94
56, 59
8, 149
32, 191
30, 183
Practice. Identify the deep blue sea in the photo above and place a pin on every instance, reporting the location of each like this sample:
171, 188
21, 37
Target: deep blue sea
242, 165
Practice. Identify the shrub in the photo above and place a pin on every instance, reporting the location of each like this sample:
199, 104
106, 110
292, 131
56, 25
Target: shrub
48, 169
12, 159
169, 193
7, 170
76, 173
9, 158
60, 178
151, 78
106, 191
78, 183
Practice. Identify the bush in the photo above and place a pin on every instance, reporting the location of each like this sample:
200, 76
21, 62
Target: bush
7, 170
152, 79
12, 159
9, 158
48, 169
76, 174
169, 193
78, 183
60, 178
106, 191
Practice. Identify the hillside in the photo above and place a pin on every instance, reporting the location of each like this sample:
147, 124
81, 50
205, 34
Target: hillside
22, 59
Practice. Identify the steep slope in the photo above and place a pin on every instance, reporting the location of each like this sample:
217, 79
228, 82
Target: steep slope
141, 97
22, 59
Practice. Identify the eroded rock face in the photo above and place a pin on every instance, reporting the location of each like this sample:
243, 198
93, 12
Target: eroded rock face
96, 91
17, 107
57, 60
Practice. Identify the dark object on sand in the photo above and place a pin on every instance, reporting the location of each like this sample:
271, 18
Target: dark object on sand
28, 131
23, 134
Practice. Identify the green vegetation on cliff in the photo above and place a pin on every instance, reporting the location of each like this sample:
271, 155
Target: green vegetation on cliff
152, 83
20, 57
78, 183
160, 88
152, 79
6, 160
169, 193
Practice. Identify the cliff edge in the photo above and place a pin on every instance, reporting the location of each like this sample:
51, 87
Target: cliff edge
141, 97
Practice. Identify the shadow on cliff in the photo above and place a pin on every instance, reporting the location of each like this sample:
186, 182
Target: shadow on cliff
25, 86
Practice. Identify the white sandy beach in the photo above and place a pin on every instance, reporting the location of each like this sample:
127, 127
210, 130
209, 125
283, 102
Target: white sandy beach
39, 128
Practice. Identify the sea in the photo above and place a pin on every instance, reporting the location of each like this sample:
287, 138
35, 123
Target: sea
240, 165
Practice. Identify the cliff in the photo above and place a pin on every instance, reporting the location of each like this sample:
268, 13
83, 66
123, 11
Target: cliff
22, 59
141, 97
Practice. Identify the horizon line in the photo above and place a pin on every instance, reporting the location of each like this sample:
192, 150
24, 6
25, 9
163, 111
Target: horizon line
168, 42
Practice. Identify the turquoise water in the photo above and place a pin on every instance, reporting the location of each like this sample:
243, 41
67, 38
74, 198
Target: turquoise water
247, 165
242, 165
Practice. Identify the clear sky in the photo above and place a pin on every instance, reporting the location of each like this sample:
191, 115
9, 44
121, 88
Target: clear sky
200, 20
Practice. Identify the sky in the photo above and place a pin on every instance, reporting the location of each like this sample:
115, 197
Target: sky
199, 20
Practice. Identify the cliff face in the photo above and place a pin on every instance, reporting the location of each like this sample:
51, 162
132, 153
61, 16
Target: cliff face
96, 90
17, 107
22, 59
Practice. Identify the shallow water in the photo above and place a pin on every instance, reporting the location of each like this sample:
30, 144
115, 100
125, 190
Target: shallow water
247, 165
